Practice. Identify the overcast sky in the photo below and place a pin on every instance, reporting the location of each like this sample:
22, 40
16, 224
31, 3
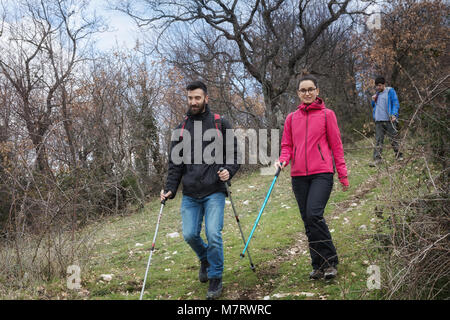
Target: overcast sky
123, 30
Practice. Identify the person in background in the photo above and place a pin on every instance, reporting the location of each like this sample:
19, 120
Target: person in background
385, 113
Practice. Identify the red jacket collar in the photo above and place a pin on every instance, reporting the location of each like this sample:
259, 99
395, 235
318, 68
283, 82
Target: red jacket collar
317, 105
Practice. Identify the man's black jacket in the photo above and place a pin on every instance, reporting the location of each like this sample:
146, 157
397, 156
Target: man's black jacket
200, 180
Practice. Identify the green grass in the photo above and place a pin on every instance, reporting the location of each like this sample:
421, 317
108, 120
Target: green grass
282, 260
278, 248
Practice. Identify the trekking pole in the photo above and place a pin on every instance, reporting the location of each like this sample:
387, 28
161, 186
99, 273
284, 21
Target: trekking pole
262, 209
227, 184
153, 247
394, 125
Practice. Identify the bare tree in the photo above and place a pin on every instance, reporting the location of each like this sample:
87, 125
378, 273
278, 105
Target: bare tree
411, 51
272, 37
41, 47
39, 52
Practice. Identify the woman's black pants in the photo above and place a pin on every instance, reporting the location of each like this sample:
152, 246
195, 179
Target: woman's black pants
312, 193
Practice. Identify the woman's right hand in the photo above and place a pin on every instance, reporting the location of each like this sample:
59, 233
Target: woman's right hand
278, 164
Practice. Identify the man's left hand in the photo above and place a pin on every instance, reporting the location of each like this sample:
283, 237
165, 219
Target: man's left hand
224, 175
393, 118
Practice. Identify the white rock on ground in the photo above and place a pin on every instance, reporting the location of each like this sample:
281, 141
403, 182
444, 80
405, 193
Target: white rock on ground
173, 235
106, 277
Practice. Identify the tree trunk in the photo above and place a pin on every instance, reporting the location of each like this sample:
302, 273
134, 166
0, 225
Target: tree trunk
68, 128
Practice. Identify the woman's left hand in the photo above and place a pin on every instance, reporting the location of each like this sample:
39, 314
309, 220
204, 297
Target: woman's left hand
345, 188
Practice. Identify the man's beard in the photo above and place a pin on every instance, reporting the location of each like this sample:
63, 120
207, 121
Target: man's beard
198, 109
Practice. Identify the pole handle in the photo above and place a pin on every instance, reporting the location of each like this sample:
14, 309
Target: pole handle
163, 202
279, 169
228, 181
278, 172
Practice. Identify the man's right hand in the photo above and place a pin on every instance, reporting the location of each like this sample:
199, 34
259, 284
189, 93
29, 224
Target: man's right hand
165, 196
374, 97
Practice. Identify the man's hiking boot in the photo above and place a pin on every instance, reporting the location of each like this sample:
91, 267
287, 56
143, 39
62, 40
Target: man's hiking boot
215, 289
330, 273
316, 274
203, 272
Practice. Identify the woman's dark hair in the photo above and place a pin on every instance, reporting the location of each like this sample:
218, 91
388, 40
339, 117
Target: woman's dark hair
196, 85
380, 80
308, 77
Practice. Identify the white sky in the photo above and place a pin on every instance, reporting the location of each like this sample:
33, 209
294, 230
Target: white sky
123, 31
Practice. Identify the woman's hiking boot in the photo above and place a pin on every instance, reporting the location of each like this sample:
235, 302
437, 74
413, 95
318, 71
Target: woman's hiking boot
316, 274
330, 273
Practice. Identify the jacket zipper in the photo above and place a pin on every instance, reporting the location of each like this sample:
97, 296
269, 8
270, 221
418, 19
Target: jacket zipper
320, 151
306, 143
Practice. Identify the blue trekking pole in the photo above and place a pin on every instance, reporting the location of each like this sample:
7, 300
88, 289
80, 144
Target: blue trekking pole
262, 209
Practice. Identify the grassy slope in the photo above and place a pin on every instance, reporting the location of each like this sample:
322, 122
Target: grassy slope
278, 247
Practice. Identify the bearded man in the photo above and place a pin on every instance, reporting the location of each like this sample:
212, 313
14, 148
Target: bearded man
204, 191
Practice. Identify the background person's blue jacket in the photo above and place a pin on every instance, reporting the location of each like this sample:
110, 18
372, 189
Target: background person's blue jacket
393, 103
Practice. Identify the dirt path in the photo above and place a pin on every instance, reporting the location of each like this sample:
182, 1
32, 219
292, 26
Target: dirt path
269, 273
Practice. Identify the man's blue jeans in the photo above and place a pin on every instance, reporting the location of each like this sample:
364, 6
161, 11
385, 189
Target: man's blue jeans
192, 212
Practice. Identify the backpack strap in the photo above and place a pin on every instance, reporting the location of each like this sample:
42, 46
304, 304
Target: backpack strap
377, 94
218, 123
182, 127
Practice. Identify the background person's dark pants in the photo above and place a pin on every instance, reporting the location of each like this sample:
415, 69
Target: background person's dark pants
312, 193
382, 128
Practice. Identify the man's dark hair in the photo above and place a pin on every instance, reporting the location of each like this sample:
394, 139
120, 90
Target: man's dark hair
379, 80
197, 85
308, 77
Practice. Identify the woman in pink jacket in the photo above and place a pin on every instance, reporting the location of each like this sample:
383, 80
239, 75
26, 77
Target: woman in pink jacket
311, 140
